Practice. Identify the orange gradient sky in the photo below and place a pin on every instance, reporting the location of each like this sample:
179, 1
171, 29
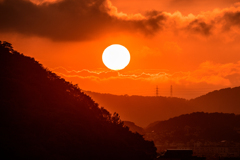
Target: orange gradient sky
192, 45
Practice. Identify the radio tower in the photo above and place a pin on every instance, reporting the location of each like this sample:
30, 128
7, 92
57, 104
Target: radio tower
157, 91
171, 91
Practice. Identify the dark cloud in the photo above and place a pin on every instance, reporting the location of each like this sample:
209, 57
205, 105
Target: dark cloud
70, 19
206, 2
231, 19
200, 27
79, 20
197, 6
214, 22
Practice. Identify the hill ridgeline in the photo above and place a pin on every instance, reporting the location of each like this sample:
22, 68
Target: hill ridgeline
45, 117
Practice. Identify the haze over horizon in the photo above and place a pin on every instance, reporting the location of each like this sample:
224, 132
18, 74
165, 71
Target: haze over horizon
189, 44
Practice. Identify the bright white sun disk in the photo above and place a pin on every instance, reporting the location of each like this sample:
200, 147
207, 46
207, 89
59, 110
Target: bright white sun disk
116, 57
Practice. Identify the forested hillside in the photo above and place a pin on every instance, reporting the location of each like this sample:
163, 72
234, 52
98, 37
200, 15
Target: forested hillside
134, 128
198, 126
143, 110
45, 117
225, 100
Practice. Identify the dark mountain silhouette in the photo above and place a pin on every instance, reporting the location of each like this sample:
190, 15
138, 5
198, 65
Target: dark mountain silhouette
145, 110
45, 117
142, 110
133, 127
198, 126
225, 100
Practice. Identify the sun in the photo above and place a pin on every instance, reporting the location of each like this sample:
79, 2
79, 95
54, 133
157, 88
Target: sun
116, 57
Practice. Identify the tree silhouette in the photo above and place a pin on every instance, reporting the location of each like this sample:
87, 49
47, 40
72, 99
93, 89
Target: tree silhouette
45, 117
198, 126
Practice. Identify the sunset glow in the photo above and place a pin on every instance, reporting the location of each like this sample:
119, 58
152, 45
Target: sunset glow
191, 45
120, 79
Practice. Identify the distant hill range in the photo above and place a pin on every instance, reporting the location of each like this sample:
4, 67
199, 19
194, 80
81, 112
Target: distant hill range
198, 126
225, 100
194, 127
134, 128
45, 117
144, 110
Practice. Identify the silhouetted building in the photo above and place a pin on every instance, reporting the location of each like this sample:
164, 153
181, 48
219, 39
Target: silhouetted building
177, 154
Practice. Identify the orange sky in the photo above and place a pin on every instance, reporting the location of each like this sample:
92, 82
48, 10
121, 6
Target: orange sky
192, 45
